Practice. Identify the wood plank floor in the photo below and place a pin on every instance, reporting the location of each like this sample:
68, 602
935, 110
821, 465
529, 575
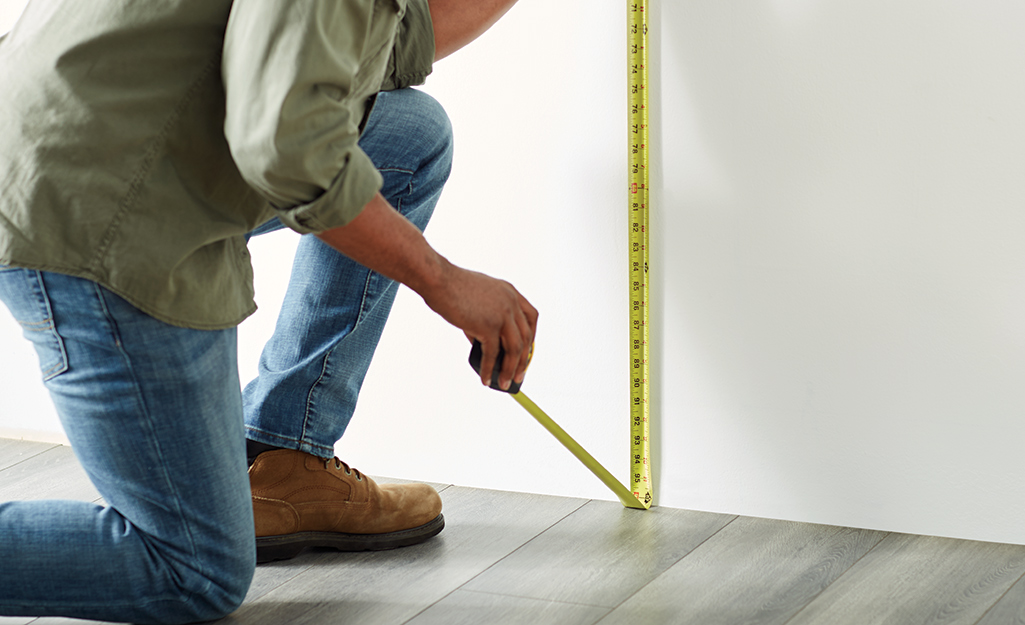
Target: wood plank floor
519, 558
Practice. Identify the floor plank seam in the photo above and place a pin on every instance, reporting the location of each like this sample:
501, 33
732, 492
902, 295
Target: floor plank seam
838, 578
527, 542
495, 563
446, 596
502, 594
681, 559
999, 599
36, 455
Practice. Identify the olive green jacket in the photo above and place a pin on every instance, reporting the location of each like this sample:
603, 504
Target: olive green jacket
140, 141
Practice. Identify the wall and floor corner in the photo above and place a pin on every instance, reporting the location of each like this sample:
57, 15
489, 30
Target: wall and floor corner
838, 270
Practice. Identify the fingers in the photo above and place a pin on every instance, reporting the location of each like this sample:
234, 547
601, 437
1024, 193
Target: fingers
511, 361
489, 353
518, 341
485, 376
528, 327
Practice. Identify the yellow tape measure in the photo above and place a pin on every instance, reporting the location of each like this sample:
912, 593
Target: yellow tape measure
639, 495
624, 494
637, 83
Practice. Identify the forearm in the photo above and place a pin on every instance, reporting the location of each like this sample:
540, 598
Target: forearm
458, 22
381, 239
488, 310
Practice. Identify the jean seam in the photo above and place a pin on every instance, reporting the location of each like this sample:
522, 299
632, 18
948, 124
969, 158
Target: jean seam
62, 365
309, 395
362, 306
360, 316
149, 426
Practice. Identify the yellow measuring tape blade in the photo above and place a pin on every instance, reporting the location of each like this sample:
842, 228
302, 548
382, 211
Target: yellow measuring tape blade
640, 456
621, 491
639, 495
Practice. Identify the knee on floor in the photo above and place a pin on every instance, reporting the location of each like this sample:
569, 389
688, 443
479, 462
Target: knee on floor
202, 589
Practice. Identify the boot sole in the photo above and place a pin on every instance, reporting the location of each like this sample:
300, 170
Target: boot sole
271, 548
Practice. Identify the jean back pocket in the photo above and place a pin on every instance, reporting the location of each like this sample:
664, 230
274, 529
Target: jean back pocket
24, 293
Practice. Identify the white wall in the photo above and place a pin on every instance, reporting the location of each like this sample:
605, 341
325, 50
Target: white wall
837, 262
844, 263
536, 197
25, 410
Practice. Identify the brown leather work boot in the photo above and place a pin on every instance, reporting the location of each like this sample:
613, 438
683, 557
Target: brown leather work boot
300, 500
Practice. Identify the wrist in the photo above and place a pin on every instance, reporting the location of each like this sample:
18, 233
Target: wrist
432, 277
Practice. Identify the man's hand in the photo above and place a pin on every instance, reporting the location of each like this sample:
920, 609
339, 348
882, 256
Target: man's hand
486, 309
458, 22
492, 312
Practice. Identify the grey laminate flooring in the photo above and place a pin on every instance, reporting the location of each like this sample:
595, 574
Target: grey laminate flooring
519, 558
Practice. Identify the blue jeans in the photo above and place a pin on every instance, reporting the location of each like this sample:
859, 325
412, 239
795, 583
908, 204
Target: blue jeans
155, 414
312, 368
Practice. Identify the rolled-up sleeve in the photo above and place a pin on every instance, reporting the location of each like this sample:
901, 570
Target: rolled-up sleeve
297, 74
413, 56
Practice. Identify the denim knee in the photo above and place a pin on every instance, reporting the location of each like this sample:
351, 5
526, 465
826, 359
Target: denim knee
410, 130
207, 591
229, 590
434, 123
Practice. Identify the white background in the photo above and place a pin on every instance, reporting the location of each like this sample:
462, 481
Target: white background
839, 281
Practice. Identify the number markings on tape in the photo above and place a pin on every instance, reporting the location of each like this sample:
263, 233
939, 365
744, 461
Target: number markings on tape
640, 466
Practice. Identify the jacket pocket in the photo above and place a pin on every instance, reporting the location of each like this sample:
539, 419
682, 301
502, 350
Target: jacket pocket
24, 293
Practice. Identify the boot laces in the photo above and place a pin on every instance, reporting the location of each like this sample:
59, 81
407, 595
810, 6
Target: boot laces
340, 466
